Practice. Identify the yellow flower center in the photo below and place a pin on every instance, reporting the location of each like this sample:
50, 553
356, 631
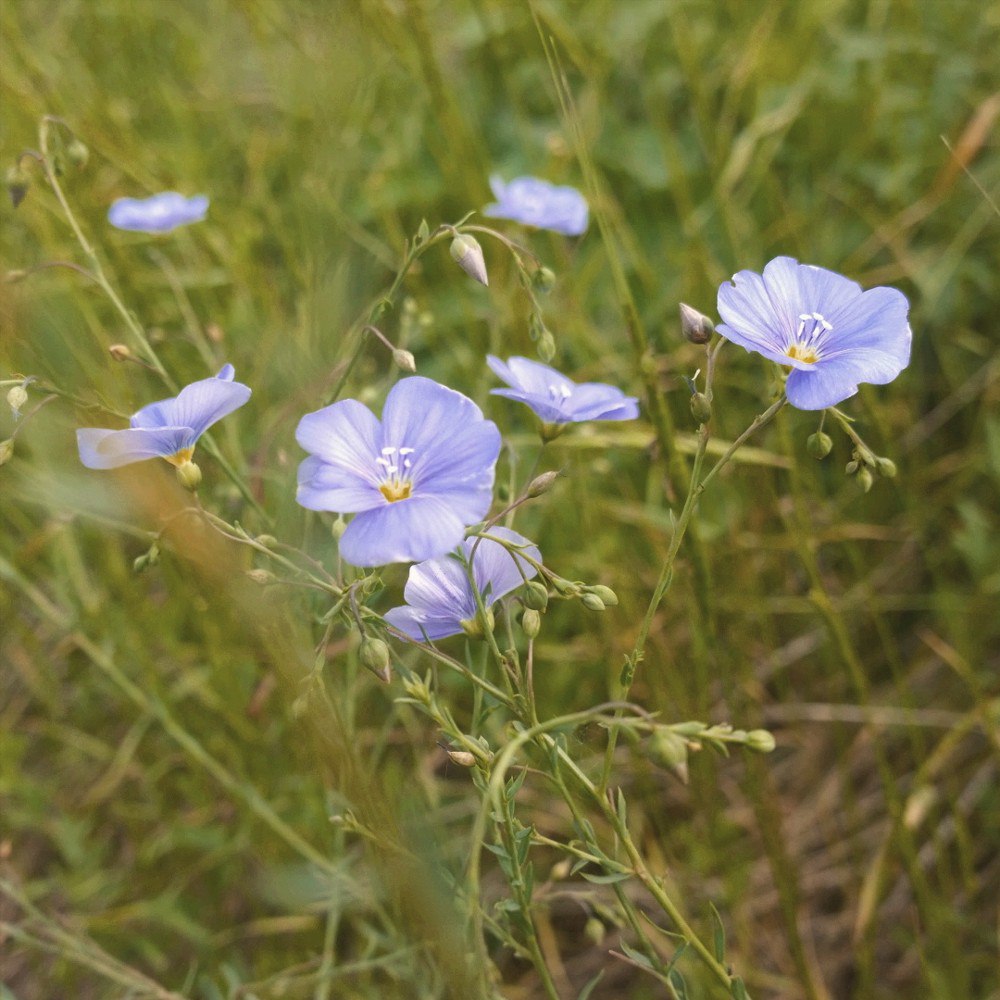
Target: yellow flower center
810, 338
181, 457
397, 483
802, 352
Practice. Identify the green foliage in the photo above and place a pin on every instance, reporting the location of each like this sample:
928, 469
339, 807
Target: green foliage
169, 767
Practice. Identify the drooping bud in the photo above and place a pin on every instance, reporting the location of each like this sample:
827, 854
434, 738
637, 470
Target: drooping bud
404, 360
16, 398
6, 451
338, 527
374, 656
77, 154
701, 408
819, 445
594, 930
696, 327
468, 254
189, 475
268, 541
885, 467
120, 352
565, 587
546, 345
592, 602
462, 757
18, 181
531, 622
147, 559
544, 279
606, 594
760, 740
669, 750
541, 484
536, 596
865, 479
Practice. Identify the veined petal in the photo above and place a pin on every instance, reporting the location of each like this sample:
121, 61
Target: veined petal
876, 319
495, 567
837, 378
417, 624
597, 401
322, 486
201, 404
407, 531
107, 449
344, 434
440, 587
550, 413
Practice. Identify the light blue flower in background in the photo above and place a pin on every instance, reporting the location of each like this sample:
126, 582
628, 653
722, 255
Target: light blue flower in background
538, 203
557, 399
168, 429
820, 324
439, 597
157, 214
416, 480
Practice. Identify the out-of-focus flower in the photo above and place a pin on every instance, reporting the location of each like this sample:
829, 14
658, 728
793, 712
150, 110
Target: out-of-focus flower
439, 597
538, 203
416, 480
168, 429
157, 214
820, 324
557, 399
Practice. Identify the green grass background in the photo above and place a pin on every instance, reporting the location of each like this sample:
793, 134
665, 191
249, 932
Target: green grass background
146, 721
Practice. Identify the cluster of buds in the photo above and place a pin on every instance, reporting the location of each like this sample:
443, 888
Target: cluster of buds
865, 466
594, 597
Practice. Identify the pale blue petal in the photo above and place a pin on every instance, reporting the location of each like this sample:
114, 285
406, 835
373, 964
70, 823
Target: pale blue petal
597, 401
107, 449
440, 587
346, 435
549, 412
495, 568
836, 379
418, 624
157, 214
876, 319
322, 486
405, 531
201, 404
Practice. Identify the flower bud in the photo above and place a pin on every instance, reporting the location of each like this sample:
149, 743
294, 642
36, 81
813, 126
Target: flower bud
77, 154
594, 930
541, 484
696, 327
120, 352
866, 479
819, 445
536, 596
268, 541
531, 622
462, 757
18, 181
338, 528
701, 408
885, 467
189, 475
544, 279
6, 451
851, 467
468, 254
404, 360
592, 602
374, 656
261, 576
565, 587
760, 740
606, 594
546, 345
16, 398
668, 749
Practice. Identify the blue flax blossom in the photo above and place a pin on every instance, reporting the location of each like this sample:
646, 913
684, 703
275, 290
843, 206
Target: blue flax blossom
539, 203
820, 324
416, 480
157, 214
438, 594
168, 429
557, 399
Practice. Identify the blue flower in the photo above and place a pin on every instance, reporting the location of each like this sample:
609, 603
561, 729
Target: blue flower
415, 481
557, 399
158, 214
168, 429
539, 203
820, 324
439, 597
